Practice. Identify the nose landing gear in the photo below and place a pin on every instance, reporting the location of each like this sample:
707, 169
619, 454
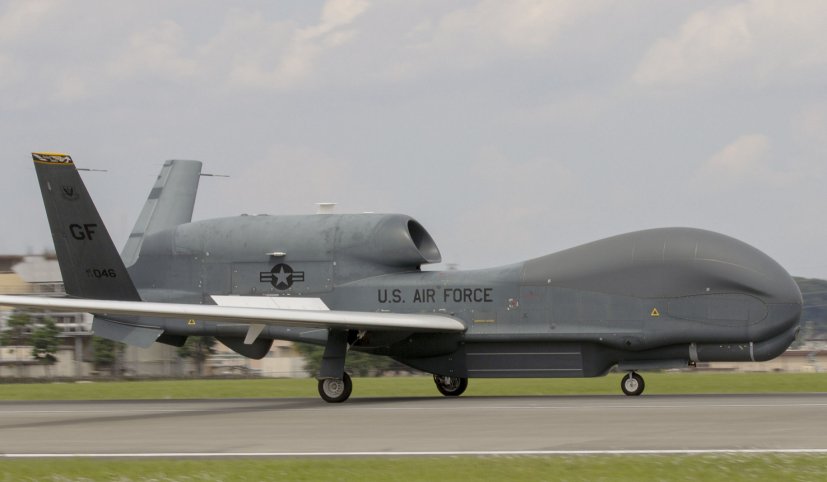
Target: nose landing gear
632, 384
450, 386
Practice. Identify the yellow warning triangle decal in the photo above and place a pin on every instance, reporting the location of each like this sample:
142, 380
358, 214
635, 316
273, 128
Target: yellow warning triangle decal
655, 312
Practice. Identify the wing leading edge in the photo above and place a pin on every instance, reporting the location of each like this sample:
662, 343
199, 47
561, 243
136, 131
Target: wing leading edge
354, 320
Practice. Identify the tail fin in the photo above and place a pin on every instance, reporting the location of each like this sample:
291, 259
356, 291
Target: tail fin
89, 262
170, 204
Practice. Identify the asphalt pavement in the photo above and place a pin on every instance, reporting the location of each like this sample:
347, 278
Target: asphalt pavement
363, 426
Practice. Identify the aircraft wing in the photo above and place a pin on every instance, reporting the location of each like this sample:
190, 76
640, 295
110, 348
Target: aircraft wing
253, 316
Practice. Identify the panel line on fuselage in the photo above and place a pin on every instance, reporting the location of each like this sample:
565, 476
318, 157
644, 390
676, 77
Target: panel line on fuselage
576, 353
499, 370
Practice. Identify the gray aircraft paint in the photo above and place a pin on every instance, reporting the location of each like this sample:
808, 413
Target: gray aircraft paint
650, 299
704, 286
170, 203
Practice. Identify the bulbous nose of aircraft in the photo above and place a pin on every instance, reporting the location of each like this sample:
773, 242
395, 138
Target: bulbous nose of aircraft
734, 266
784, 303
715, 287
740, 268
774, 334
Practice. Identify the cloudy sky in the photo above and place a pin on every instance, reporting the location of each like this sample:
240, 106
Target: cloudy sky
509, 129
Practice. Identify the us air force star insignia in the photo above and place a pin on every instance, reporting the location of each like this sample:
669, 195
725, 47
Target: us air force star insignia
281, 276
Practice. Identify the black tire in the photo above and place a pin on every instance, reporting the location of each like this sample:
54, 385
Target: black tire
450, 386
632, 384
335, 391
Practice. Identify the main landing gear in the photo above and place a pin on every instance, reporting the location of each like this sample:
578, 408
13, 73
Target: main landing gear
450, 386
334, 390
334, 384
632, 384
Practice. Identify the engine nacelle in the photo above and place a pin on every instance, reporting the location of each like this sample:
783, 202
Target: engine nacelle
394, 240
345, 247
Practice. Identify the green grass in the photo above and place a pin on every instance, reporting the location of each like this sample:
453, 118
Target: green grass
731, 468
656, 383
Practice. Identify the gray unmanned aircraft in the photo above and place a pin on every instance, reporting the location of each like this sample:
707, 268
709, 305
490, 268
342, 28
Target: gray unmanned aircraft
652, 299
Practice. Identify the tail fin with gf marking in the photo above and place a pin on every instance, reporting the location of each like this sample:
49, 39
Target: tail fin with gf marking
89, 263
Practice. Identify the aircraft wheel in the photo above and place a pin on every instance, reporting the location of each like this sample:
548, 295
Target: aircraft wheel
450, 386
632, 384
333, 390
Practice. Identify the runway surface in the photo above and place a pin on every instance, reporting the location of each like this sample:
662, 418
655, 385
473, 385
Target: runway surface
483, 425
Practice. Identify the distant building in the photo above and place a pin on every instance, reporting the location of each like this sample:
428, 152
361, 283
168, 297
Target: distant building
40, 275
810, 361
282, 361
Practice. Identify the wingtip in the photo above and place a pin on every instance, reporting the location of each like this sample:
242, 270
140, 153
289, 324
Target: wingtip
52, 158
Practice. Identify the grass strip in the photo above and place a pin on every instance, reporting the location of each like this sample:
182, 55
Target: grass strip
731, 468
419, 386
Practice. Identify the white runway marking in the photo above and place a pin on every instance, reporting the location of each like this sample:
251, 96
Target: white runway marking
418, 409
470, 453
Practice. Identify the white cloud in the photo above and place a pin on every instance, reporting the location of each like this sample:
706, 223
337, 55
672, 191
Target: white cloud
751, 43
489, 29
246, 50
745, 161
335, 14
22, 22
281, 55
158, 51
248, 47
310, 43
522, 25
29, 18
743, 157
245, 47
51, 52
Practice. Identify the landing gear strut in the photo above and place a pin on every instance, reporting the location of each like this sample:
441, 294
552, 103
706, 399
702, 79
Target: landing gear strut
334, 384
632, 384
450, 386
333, 390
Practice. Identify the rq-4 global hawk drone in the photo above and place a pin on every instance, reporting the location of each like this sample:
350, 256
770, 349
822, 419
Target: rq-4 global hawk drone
654, 299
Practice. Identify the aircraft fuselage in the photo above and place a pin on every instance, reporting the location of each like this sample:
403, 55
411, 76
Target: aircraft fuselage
651, 299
